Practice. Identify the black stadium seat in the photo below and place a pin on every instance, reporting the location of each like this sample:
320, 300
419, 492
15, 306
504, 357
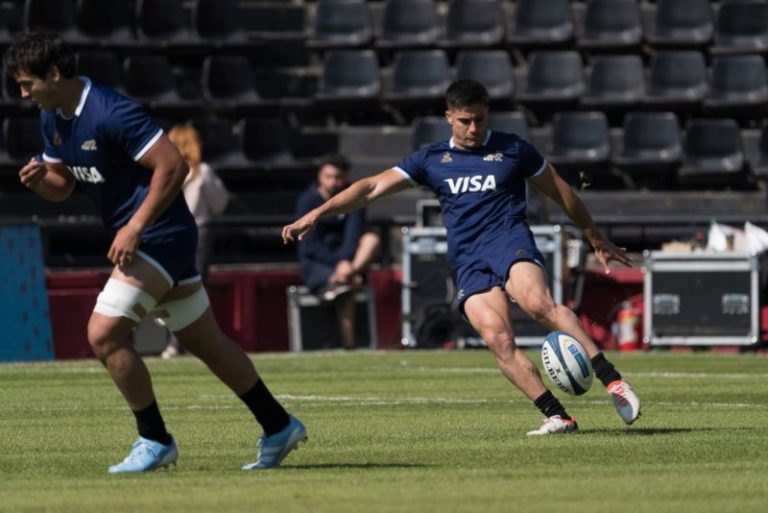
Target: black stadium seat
680, 23
408, 23
474, 23
615, 81
739, 86
611, 25
428, 130
58, 15
713, 154
228, 81
540, 23
103, 67
162, 22
218, 22
349, 75
676, 79
341, 23
509, 122
419, 75
492, 68
554, 79
580, 139
149, 79
650, 145
106, 22
222, 143
741, 27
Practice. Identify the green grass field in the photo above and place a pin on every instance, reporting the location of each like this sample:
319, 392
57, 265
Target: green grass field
416, 431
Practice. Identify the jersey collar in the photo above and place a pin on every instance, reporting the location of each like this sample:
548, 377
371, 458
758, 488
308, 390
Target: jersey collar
487, 136
83, 96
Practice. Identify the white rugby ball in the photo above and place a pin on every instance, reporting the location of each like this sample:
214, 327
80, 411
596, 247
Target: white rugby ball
566, 363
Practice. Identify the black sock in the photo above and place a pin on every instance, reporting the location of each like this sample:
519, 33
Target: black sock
550, 406
604, 370
150, 424
268, 412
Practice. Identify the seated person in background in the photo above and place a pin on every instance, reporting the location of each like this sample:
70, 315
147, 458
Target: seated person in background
206, 197
335, 256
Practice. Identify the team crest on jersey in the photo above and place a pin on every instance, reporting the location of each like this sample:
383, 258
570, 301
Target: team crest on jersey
89, 145
493, 157
446, 158
56, 139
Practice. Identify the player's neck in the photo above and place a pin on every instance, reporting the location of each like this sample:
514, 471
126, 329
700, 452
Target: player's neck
71, 91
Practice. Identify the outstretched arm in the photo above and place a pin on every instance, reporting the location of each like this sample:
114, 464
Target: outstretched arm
551, 184
357, 195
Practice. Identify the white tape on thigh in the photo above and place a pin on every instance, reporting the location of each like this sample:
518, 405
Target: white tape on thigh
121, 299
179, 314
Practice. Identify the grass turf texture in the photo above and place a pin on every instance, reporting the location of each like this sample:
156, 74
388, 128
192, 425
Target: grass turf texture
414, 431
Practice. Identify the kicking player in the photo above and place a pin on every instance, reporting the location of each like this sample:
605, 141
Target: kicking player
107, 145
480, 178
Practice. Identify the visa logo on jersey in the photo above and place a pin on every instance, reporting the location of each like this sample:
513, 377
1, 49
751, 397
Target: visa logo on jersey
86, 174
477, 183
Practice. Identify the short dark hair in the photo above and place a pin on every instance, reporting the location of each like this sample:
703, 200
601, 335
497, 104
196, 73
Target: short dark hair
463, 93
336, 160
37, 53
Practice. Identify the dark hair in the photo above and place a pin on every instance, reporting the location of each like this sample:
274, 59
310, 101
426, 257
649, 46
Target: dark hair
336, 160
37, 53
463, 93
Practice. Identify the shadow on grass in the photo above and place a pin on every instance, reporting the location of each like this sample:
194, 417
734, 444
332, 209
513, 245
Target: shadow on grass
358, 465
635, 431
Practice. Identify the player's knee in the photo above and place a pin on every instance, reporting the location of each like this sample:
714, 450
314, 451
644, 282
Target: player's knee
178, 314
541, 309
498, 339
102, 340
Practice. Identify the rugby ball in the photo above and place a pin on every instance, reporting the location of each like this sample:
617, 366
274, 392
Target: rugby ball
566, 363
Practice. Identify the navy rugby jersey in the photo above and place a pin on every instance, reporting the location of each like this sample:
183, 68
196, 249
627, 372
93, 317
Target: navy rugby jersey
101, 145
482, 191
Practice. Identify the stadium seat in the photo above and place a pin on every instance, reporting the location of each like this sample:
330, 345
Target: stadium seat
580, 138
58, 15
149, 79
611, 25
162, 22
341, 23
509, 122
106, 22
759, 162
679, 22
228, 81
615, 81
428, 130
713, 154
492, 68
650, 145
266, 142
738, 86
217, 22
103, 67
222, 143
741, 27
419, 75
553, 79
408, 23
472, 23
274, 21
540, 23
11, 90
349, 75
676, 79
22, 137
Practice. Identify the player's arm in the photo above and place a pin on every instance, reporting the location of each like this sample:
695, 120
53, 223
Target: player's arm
551, 184
168, 172
357, 195
51, 181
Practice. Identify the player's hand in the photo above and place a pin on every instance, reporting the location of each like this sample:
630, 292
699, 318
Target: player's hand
606, 251
297, 230
32, 173
343, 272
124, 246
